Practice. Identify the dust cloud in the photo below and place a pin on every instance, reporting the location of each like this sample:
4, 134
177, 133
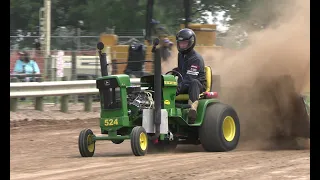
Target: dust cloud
172, 62
263, 80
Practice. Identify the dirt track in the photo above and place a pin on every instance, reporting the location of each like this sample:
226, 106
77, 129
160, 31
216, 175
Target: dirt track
49, 151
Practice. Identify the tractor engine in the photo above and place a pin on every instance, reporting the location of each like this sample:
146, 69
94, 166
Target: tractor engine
141, 99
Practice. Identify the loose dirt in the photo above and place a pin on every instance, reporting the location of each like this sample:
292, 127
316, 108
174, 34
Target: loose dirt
44, 144
48, 150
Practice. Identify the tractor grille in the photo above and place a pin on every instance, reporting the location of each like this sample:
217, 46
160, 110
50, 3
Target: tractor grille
111, 98
110, 93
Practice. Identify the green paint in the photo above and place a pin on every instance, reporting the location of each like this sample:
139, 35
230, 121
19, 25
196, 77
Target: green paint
114, 123
97, 138
201, 111
162, 136
112, 120
123, 79
169, 92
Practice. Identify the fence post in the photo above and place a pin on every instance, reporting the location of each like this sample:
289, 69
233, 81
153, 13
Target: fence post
39, 100
14, 101
49, 67
88, 99
64, 100
74, 72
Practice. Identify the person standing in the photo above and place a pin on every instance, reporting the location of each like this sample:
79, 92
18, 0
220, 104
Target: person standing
25, 65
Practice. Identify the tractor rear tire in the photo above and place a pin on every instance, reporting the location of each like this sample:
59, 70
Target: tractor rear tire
220, 130
139, 141
86, 143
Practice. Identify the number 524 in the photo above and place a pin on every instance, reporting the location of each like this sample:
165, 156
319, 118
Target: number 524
111, 122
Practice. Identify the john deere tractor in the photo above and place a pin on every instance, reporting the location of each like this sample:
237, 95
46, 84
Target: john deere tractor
152, 117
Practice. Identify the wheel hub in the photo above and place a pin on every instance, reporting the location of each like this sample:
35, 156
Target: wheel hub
143, 141
229, 128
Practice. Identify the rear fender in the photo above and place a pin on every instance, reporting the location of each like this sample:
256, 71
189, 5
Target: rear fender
201, 111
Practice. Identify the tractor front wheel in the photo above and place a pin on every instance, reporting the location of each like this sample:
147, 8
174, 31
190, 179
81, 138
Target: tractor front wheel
139, 141
86, 143
220, 130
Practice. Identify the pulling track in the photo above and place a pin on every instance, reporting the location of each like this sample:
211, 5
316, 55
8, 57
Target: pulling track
49, 150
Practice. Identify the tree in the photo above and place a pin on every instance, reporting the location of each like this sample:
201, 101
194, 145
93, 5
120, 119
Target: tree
24, 14
100, 14
130, 15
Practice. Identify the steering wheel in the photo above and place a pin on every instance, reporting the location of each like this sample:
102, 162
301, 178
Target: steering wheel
174, 72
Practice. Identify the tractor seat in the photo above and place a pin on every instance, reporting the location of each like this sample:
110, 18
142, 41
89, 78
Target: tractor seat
207, 69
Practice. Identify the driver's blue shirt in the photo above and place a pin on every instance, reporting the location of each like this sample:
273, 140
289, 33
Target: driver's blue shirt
26, 68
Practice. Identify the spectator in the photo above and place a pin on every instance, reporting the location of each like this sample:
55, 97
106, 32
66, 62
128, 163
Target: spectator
165, 53
24, 65
165, 49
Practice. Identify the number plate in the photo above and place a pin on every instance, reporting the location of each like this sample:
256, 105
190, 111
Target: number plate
111, 122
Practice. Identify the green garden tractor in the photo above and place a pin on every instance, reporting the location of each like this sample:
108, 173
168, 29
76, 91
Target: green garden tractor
154, 118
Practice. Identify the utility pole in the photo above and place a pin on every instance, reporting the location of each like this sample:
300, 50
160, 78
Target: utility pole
148, 21
47, 34
187, 13
42, 27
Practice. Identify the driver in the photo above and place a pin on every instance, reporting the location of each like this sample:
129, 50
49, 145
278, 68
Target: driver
191, 67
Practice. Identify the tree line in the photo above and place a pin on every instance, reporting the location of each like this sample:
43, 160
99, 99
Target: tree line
130, 15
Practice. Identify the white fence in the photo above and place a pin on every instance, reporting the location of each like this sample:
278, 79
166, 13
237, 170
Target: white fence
56, 88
